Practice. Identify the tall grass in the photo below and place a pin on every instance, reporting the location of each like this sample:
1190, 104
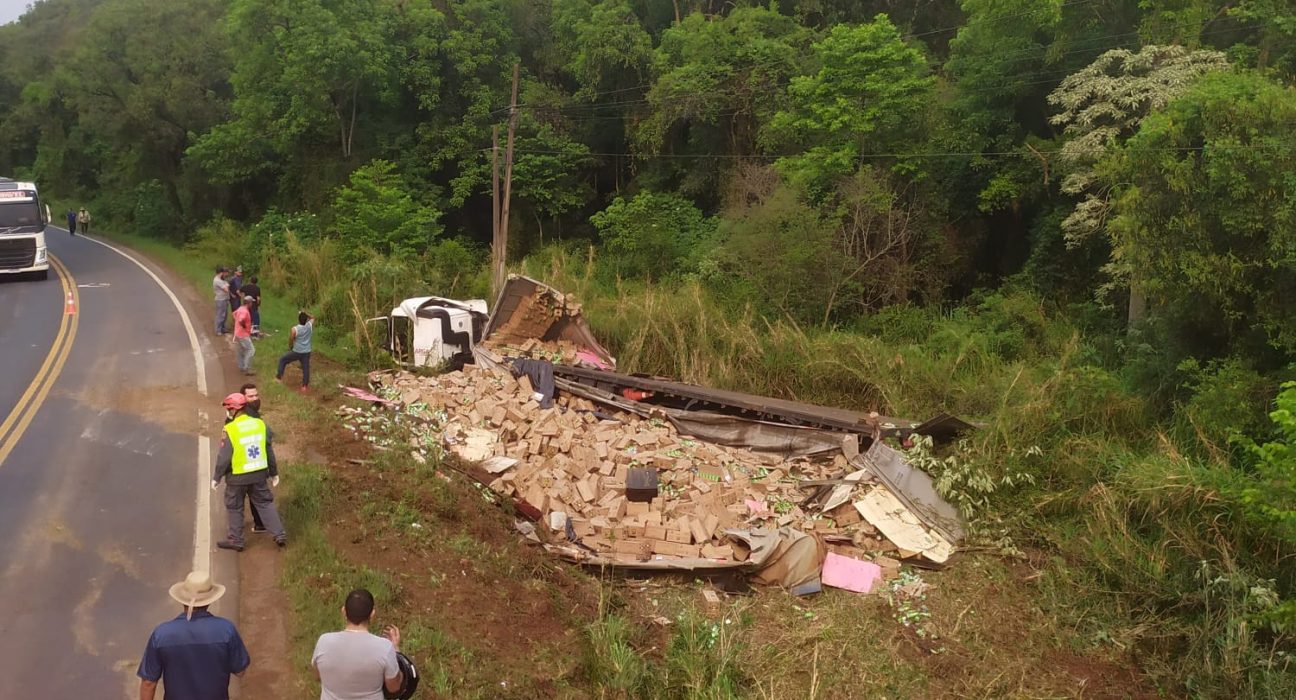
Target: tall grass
1149, 549
701, 661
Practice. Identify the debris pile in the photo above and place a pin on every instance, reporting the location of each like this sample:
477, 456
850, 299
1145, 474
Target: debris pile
619, 488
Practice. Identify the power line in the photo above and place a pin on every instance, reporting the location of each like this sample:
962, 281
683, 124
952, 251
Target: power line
903, 156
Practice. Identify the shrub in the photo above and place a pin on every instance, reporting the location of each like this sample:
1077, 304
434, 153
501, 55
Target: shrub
377, 211
1227, 398
654, 234
220, 241
155, 216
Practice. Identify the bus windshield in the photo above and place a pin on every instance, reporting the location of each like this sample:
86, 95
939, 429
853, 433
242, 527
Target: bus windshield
16, 214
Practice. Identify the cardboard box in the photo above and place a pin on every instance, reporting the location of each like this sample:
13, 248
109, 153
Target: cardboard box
637, 547
698, 529
722, 552
673, 549
679, 536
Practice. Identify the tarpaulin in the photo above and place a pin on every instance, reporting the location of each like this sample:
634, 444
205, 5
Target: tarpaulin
784, 557
786, 441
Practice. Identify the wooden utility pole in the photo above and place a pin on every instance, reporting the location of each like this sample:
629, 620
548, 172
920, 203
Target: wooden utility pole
502, 229
497, 280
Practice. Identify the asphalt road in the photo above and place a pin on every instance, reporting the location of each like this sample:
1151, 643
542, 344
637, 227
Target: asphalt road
97, 495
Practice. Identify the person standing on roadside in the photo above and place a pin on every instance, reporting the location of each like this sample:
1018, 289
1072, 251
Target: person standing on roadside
71, 219
246, 463
252, 292
243, 347
299, 348
253, 396
220, 288
83, 220
195, 653
354, 664
236, 287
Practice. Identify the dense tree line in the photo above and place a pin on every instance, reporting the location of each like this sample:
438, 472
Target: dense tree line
819, 162
887, 154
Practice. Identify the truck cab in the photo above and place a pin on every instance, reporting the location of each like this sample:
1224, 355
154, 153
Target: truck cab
433, 331
22, 230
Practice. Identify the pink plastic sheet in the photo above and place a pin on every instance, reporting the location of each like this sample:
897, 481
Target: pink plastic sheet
850, 574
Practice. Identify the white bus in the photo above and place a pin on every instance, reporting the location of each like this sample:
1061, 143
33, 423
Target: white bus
22, 229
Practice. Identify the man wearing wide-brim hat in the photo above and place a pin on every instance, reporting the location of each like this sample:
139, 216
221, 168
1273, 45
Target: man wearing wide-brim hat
195, 653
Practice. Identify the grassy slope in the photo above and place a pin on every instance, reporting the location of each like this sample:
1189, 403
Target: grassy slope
990, 627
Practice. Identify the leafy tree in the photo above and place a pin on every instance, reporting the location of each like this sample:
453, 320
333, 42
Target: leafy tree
305, 72
377, 212
1272, 28
140, 82
1104, 103
473, 64
867, 96
653, 233
1273, 494
546, 171
1205, 207
996, 62
718, 81
727, 74
604, 45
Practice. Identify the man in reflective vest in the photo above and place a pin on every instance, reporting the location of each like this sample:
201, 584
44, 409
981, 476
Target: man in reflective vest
246, 462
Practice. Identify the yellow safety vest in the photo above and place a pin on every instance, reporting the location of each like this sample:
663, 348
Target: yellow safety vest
247, 436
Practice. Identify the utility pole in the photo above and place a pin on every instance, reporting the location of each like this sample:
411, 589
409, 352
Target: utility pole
503, 229
497, 279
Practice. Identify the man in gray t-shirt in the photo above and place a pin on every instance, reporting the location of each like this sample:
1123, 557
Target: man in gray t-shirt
354, 664
299, 349
220, 289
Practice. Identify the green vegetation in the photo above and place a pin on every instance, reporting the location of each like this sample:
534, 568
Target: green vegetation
1070, 220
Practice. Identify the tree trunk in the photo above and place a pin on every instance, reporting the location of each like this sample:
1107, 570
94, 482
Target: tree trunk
1137, 308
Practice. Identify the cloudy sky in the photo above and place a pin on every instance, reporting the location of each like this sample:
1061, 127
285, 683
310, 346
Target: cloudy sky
10, 9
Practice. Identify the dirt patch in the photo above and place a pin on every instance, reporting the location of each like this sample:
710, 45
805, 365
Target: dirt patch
263, 622
1096, 679
497, 605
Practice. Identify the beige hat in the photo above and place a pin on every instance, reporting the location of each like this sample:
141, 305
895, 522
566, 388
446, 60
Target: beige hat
197, 590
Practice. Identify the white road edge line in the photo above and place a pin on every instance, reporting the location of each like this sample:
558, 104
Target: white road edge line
202, 493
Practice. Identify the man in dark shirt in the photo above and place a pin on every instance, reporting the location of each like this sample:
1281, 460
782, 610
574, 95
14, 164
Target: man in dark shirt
194, 654
236, 284
252, 292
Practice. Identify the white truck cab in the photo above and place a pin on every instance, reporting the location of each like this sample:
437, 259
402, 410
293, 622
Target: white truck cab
22, 230
432, 331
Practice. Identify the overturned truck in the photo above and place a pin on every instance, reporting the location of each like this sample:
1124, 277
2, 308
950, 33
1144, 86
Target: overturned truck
639, 472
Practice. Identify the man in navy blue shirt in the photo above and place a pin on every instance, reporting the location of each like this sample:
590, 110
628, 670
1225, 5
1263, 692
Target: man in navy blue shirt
194, 654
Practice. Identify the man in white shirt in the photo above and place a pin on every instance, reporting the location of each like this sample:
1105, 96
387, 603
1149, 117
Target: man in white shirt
354, 664
220, 288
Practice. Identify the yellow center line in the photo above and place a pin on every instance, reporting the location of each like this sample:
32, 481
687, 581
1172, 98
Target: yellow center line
21, 416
